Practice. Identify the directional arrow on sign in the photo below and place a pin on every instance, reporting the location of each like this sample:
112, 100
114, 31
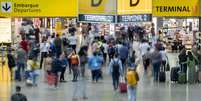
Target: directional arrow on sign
6, 7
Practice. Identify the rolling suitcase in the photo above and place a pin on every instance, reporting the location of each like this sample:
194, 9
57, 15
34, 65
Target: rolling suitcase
174, 74
123, 87
182, 78
51, 79
162, 77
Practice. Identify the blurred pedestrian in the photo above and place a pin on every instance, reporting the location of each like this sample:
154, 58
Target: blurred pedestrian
18, 96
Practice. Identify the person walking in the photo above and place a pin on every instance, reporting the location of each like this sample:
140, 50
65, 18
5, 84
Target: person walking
183, 60
21, 63
123, 54
156, 60
74, 61
33, 67
58, 45
132, 81
95, 63
146, 60
64, 65
73, 41
18, 96
11, 63
115, 70
44, 48
80, 86
191, 63
56, 68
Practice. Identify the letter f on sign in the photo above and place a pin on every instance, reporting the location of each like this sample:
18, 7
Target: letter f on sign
134, 3
94, 3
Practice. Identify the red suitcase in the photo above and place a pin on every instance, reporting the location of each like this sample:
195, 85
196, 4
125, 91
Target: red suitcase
51, 79
123, 87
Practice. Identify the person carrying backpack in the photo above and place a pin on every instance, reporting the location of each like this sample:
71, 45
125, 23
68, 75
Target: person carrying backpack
132, 78
74, 61
115, 69
18, 96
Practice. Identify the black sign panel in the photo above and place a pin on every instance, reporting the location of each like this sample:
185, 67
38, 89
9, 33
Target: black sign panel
134, 18
96, 18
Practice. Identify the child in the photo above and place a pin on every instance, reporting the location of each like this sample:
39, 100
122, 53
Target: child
132, 80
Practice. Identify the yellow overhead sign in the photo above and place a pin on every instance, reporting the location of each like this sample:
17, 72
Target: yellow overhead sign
134, 7
97, 7
176, 8
38, 8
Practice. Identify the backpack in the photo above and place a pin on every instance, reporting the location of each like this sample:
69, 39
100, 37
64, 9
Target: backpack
115, 66
132, 78
111, 50
74, 60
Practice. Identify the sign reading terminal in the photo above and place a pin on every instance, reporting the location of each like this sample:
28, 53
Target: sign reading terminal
173, 9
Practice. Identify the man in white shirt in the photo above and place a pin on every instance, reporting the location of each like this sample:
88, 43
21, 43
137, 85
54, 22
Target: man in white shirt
73, 41
143, 47
44, 48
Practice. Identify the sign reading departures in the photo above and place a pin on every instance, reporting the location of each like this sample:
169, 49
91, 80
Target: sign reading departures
38, 8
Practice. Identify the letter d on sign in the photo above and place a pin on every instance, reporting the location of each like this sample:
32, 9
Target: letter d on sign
132, 3
95, 4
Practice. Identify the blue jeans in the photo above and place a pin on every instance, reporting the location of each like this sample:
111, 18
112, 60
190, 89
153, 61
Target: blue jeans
156, 70
20, 70
96, 75
132, 93
115, 79
34, 77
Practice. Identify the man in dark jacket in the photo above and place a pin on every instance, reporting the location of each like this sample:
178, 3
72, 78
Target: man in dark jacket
58, 45
18, 96
182, 60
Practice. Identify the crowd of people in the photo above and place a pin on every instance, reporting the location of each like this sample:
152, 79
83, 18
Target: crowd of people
56, 54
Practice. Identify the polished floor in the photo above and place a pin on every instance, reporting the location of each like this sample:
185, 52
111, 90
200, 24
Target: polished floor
147, 90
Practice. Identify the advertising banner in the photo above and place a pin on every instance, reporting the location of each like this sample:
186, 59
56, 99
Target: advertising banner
176, 8
38, 8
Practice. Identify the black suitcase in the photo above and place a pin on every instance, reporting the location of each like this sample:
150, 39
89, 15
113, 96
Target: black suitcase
162, 76
174, 74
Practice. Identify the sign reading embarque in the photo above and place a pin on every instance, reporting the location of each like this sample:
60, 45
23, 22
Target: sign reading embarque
38, 8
